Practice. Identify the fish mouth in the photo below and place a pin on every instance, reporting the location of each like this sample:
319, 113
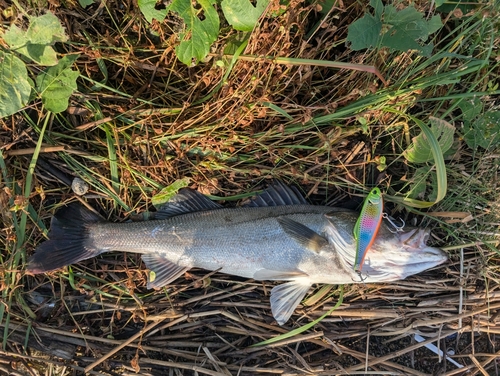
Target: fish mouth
416, 240
421, 256
410, 257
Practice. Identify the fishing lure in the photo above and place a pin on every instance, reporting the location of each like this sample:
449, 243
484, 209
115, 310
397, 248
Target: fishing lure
367, 225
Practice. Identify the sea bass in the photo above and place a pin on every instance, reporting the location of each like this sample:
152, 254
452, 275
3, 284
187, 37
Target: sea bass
277, 236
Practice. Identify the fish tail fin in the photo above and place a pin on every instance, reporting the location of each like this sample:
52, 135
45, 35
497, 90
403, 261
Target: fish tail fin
67, 242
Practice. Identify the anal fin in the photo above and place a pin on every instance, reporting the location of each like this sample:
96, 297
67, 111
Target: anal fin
286, 297
162, 271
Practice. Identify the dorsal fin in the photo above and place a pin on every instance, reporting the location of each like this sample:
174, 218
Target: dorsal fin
277, 194
186, 201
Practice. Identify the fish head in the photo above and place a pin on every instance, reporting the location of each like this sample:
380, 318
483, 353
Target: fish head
401, 254
394, 255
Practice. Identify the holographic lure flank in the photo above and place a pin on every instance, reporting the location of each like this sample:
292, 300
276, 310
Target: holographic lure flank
367, 226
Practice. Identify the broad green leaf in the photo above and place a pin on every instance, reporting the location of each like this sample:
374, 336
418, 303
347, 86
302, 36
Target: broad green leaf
46, 29
364, 33
200, 33
378, 6
40, 53
242, 14
441, 185
419, 183
168, 192
15, 37
85, 3
483, 131
433, 25
401, 30
420, 151
56, 84
35, 43
408, 28
471, 109
148, 9
14, 84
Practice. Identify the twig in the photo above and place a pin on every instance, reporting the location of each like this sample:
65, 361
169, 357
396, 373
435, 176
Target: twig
124, 344
320, 63
30, 151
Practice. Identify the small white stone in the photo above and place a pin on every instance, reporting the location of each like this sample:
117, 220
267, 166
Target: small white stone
79, 186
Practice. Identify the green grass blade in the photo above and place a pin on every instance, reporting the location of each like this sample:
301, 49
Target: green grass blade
278, 109
442, 183
113, 166
303, 328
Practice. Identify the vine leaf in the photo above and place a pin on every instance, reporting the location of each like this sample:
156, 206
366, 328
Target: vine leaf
420, 151
36, 42
241, 14
200, 33
400, 30
56, 84
148, 9
15, 87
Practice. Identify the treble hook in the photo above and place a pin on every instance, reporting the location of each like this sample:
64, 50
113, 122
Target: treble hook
396, 227
360, 277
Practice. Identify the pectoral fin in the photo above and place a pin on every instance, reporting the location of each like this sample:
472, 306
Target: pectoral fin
286, 297
162, 271
344, 243
303, 234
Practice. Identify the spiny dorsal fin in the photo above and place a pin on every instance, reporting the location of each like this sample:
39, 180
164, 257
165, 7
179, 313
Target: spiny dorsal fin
302, 234
277, 194
186, 201
162, 271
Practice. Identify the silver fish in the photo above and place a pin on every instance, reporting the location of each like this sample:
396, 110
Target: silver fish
277, 236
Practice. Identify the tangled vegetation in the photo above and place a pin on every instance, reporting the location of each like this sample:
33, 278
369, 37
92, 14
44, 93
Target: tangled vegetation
138, 99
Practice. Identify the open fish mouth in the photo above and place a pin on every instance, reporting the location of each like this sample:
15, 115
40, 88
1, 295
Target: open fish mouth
412, 256
415, 238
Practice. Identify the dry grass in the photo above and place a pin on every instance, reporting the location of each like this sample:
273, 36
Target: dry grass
147, 120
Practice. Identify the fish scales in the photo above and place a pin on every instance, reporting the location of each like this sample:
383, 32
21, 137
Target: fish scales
238, 241
276, 236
